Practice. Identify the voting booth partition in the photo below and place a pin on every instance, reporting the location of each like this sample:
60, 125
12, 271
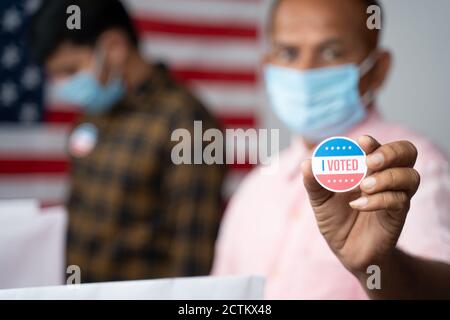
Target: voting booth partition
32, 265
194, 288
32, 244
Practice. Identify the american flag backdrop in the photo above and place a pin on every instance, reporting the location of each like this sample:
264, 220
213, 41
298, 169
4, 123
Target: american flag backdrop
213, 46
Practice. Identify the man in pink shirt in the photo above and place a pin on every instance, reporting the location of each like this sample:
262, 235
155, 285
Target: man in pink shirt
322, 74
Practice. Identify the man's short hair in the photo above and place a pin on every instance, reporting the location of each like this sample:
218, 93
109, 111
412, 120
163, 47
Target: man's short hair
48, 29
366, 3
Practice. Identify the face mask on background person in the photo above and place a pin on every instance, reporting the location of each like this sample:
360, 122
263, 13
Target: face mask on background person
85, 90
319, 103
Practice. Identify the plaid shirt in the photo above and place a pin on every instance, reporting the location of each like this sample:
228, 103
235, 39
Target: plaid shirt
133, 214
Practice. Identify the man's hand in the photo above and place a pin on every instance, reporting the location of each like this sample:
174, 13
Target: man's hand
362, 226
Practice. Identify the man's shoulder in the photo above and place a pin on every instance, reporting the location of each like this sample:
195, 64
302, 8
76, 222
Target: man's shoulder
428, 151
173, 99
170, 105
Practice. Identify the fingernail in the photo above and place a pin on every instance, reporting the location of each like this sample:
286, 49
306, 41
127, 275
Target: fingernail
375, 160
364, 140
369, 183
360, 202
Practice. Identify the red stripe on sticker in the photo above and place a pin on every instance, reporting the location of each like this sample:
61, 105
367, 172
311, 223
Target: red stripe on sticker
340, 181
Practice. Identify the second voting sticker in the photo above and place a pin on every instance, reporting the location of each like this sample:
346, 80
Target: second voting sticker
83, 140
339, 164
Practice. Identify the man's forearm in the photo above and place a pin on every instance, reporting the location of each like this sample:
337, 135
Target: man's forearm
407, 277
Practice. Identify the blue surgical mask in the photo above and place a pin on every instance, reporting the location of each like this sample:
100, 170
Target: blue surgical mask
318, 103
84, 90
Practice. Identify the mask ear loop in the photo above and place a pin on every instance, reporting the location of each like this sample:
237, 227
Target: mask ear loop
99, 59
367, 98
368, 63
113, 75
364, 68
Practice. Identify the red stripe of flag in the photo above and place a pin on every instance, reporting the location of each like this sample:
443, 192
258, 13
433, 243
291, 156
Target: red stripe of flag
241, 167
48, 204
60, 166
33, 166
149, 24
61, 115
189, 74
237, 121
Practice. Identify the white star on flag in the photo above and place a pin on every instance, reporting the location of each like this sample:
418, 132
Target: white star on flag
8, 94
10, 56
28, 113
11, 19
216, 54
31, 78
31, 6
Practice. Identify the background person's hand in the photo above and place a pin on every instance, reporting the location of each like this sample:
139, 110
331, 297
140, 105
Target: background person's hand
362, 226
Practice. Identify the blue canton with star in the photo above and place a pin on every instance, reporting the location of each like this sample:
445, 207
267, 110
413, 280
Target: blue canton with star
21, 82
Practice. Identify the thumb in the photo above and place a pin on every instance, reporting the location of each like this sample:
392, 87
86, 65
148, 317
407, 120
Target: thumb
318, 195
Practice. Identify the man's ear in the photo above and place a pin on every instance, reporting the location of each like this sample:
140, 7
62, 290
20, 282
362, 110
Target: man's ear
263, 62
381, 70
265, 59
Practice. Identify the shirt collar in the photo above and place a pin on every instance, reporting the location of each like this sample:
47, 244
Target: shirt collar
158, 78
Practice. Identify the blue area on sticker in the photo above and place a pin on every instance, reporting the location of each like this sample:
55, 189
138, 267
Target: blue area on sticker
88, 129
339, 147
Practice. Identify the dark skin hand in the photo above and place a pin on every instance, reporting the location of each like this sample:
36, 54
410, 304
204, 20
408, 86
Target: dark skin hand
310, 34
362, 226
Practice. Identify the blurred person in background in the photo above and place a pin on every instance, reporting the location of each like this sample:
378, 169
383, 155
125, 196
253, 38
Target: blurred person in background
133, 213
322, 73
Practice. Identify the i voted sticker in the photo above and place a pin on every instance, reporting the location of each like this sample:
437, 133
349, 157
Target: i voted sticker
339, 164
83, 140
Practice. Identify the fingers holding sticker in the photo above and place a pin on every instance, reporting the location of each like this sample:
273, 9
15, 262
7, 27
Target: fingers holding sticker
339, 164
346, 219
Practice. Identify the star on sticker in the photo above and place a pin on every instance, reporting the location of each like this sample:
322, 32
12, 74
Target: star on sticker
11, 20
8, 94
10, 57
31, 78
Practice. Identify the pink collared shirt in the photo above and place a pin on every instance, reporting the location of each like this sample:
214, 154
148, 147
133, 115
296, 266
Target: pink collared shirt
269, 228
